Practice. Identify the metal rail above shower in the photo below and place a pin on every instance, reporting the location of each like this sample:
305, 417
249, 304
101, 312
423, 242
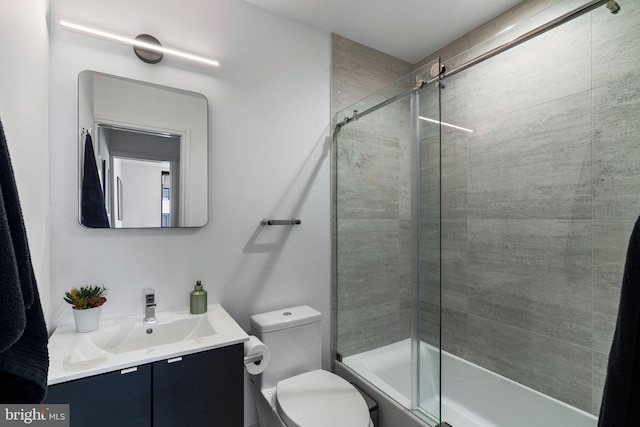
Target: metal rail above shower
612, 5
569, 16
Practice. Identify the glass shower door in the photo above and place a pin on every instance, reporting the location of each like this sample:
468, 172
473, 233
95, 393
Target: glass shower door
427, 247
387, 242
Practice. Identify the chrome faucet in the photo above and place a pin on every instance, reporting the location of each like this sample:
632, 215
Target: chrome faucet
149, 306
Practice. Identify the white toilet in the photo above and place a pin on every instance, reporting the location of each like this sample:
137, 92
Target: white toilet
294, 391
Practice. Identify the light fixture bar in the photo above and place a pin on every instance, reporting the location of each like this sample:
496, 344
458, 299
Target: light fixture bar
426, 119
133, 42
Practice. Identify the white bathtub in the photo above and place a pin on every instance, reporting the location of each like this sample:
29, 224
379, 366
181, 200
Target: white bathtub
471, 396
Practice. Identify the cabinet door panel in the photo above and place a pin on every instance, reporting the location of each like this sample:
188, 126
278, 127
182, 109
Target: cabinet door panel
107, 400
202, 389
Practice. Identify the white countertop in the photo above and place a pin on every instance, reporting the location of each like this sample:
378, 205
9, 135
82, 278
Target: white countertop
74, 355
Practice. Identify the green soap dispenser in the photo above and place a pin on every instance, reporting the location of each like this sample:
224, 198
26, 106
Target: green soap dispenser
198, 299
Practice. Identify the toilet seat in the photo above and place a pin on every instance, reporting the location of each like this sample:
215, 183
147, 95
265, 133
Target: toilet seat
320, 399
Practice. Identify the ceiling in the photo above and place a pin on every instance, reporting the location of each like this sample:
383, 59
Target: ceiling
407, 29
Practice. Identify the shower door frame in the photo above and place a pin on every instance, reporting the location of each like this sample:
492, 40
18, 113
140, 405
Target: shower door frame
419, 281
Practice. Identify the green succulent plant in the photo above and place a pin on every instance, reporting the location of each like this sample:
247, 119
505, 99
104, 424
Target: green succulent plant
86, 297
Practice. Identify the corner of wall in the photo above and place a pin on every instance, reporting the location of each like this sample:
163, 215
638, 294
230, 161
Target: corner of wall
23, 89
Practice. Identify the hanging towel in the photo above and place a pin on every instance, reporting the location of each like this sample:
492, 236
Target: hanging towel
94, 214
24, 356
621, 398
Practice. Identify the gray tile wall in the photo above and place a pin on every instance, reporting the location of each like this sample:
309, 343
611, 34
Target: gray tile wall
372, 202
537, 204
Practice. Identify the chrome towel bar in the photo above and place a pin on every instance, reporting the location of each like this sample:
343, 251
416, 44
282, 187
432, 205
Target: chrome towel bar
290, 221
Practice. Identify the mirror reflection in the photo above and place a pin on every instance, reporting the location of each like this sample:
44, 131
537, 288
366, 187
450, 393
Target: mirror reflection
143, 154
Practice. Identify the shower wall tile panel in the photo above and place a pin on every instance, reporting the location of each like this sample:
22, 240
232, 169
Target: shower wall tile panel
616, 149
615, 45
519, 168
529, 74
532, 274
358, 71
454, 179
405, 254
553, 367
430, 179
368, 172
368, 262
429, 261
405, 149
454, 153
430, 323
600, 362
610, 241
455, 265
369, 327
454, 332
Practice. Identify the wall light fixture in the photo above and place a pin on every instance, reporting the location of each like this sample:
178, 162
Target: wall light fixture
143, 45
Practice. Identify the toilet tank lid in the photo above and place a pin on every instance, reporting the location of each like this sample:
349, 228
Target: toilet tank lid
284, 318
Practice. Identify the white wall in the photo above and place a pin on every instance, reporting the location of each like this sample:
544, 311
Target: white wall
269, 136
24, 49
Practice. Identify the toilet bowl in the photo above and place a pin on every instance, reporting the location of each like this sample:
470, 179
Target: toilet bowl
294, 391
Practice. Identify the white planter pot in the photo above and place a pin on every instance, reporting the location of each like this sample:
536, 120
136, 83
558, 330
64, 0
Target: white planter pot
87, 320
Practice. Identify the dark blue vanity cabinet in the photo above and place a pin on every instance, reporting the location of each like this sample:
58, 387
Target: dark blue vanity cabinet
112, 399
196, 390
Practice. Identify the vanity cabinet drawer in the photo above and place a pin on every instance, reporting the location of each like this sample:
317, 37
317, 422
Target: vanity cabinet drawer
107, 400
196, 390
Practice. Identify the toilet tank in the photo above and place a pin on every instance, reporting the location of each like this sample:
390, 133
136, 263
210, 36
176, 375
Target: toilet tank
293, 336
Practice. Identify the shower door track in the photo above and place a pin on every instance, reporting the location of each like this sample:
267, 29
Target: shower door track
569, 16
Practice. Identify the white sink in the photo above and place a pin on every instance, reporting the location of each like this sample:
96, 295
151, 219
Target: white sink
126, 338
127, 342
